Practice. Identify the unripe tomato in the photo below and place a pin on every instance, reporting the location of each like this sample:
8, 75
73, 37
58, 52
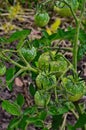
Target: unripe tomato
44, 81
39, 100
51, 63
45, 59
41, 19
65, 10
75, 89
2, 69
29, 54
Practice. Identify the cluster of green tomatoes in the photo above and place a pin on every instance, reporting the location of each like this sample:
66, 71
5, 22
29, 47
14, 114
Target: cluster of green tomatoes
51, 66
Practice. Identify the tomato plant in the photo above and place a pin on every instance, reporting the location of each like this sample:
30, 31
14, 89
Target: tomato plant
56, 87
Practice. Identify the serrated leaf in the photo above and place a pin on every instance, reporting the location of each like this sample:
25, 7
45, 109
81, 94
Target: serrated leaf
11, 108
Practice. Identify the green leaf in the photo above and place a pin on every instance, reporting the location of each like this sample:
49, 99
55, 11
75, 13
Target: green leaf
70, 127
13, 123
32, 89
82, 45
11, 108
62, 34
26, 120
23, 123
30, 111
18, 35
52, 110
81, 121
57, 121
81, 50
42, 115
45, 34
62, 110
9, 74
3, 40
35, 120
45, 129
20, 100
70, 105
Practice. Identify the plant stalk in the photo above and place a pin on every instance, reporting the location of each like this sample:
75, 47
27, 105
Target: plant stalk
75, 45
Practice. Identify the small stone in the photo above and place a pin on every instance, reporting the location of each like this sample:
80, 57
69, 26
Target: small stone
18, 82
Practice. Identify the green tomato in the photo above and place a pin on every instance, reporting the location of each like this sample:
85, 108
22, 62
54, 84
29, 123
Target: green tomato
39, 100
75, 89
51, 63
65, 10
41, 19
58, 66
29, 54
45, 59
2, 69
44, 81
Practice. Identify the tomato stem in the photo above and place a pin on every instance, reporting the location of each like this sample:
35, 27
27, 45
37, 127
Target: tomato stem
75, 45
27, 67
